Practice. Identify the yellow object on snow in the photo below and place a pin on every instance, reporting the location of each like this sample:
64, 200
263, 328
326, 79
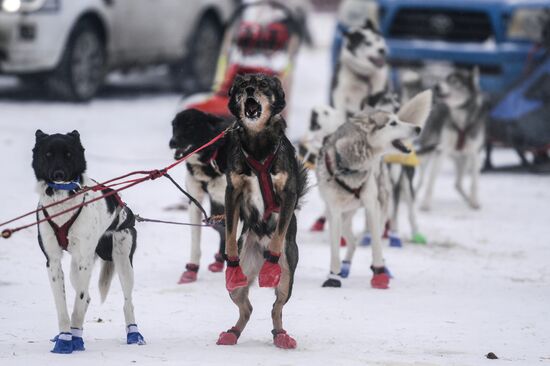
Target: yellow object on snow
404, 159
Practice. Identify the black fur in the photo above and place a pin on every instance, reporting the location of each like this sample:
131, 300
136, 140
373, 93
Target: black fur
58, 157
191, 129
269, 86
61, 157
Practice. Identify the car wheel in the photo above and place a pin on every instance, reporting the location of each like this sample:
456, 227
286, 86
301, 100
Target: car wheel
195, 72
81, 70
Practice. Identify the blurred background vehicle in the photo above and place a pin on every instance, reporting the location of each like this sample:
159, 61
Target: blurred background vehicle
497, 35
68, 47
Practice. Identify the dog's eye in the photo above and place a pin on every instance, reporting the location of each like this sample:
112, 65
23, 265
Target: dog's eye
49, 154
393, 123
368, 43
68, 154
263, 84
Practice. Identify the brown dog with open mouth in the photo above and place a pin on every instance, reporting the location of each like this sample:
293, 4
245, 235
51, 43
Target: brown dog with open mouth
265, 182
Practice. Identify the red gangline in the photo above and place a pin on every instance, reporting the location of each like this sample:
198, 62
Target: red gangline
150, 175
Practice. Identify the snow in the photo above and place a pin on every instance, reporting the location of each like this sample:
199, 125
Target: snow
482, 284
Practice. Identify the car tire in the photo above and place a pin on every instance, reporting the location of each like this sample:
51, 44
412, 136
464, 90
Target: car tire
81, 70
196, 71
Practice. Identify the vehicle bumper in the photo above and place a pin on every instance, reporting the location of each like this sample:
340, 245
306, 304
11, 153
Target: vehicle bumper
29, 43
500, 64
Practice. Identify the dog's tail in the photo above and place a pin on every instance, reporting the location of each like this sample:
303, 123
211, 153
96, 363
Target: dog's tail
105, 278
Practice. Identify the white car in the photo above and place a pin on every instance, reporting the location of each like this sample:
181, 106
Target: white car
70, 45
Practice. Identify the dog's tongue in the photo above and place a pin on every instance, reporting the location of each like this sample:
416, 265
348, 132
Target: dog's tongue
378, 61
251, 106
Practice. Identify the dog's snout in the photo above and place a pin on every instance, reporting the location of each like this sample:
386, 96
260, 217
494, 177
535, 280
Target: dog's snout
437, 88
172, 143
382, 52
58, 175
249, 90
417, 130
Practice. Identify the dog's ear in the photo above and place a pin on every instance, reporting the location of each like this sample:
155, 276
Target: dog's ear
279, 103
238, 79
74, 134
370, 25
40, 135
417, 110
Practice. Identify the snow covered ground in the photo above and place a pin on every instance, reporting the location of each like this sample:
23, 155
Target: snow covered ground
481, 285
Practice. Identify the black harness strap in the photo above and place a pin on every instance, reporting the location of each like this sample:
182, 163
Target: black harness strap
355, 191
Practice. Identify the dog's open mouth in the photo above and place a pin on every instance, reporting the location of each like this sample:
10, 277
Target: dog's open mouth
180, 153
399, 145
378, 61
252, 109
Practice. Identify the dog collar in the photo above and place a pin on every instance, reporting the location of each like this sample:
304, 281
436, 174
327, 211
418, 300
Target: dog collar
71, 186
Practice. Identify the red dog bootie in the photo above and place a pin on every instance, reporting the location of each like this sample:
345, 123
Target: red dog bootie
270, 274
282, 340
229, 338
380, 278
217, 265
234, 276
190, 275
319, 225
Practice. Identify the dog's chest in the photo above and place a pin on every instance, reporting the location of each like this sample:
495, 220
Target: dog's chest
350, 92
255, 194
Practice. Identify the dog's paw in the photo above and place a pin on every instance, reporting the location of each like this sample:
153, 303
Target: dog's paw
366, 240
333, 281
134, 336
217, 265
269, 275
395, 240
418, 238
228, 338
78, 344
474, 204
282, 340
380, 278
63, 343
235, 278
319, 225
345, 268
190, 274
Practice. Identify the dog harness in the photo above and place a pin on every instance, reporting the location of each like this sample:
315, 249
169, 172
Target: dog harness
262, 171
355, 191
62, 232
463, 132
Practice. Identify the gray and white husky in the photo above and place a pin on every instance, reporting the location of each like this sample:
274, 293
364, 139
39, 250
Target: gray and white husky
361, 71
460, 134
351, 175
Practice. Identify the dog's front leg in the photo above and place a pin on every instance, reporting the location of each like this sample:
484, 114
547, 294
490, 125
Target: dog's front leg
81, 272
192, 267
335, 233
380, 277
63, 342
234, 276
270, 274
436, 166
474, 199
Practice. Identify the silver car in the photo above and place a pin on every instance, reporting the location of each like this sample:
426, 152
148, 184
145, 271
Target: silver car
68, 46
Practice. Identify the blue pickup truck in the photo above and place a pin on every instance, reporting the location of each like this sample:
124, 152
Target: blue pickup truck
497, 35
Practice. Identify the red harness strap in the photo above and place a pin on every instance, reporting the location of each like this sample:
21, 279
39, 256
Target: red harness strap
262, 171
62, 232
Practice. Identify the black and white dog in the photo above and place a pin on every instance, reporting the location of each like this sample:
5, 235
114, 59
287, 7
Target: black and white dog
460, 133
361, 71
205, 176
265, 182
103, 229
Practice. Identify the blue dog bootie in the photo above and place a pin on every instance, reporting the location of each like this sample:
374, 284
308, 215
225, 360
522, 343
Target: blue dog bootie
133, 335
365, 241
78, 341
395, 240
345, 268
63, 343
